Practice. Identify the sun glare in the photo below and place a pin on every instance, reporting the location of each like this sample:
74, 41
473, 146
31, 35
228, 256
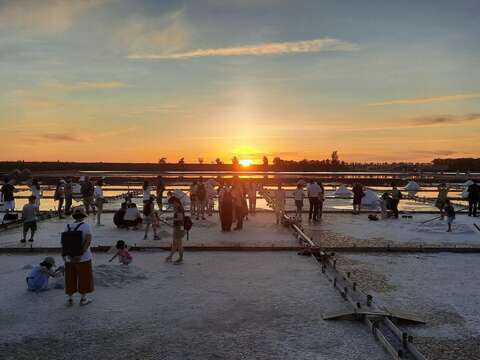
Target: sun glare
245, 162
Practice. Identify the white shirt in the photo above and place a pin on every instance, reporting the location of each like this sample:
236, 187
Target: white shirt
314, 190
146, 193
98, 192
86, 229
299, 195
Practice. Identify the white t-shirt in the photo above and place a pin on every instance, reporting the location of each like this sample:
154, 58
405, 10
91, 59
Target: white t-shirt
314, 190
299, 195
98, 192
86, 229
147, 193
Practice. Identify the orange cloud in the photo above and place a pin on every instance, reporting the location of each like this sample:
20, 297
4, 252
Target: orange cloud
426, 100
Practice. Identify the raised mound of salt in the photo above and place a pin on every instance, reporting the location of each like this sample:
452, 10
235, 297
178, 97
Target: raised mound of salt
117, 275
342, 192
370, 199
412, 186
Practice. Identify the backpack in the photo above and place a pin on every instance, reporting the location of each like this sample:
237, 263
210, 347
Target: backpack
201, 192
187, 224
72, 241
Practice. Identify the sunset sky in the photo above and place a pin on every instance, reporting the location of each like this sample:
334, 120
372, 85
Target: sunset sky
115, 80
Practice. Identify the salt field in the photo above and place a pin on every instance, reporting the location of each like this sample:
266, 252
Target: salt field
245, 304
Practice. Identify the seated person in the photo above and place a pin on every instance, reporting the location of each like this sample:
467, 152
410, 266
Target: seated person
132, 217
119, 214
37, 279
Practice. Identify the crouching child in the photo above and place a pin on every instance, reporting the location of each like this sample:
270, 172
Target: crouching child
37, 279
122, 253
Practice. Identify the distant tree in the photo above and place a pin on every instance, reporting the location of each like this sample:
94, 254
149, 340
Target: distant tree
335, 160
218, 161
265, 161
181, 161
162, 160
200, 160
277, 161
235, 162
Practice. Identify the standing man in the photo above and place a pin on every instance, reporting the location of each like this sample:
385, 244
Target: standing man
313, 192
8, 195
159, 192
201, 198
396, 197
358, 194
68, 196
280, 199
99, 200
238, 202
78, 269
473, 198
87, 190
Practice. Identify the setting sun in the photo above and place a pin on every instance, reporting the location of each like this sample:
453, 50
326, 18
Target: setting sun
245, 162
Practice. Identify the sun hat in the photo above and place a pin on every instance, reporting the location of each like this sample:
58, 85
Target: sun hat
79, 213
49, 260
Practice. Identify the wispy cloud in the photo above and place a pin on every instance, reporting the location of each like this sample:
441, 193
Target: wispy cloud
46, 16
436, 152
273, 48
60, 137
86, 85
426, 100
445, 119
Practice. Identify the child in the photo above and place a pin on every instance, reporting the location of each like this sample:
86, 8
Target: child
29, 217
299, 195
150, 217
450, 212
122, 253
37, 279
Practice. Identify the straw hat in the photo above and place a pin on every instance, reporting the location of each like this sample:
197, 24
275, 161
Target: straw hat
79, 213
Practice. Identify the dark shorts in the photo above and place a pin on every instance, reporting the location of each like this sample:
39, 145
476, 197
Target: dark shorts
299, 204
30, 225
357, 200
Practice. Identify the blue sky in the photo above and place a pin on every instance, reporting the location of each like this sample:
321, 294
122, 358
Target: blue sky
117, 80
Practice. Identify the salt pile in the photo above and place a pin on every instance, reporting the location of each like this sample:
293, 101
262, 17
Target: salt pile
342, 192
371, 199
117, 275
184, 199
412, 186
465, 193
